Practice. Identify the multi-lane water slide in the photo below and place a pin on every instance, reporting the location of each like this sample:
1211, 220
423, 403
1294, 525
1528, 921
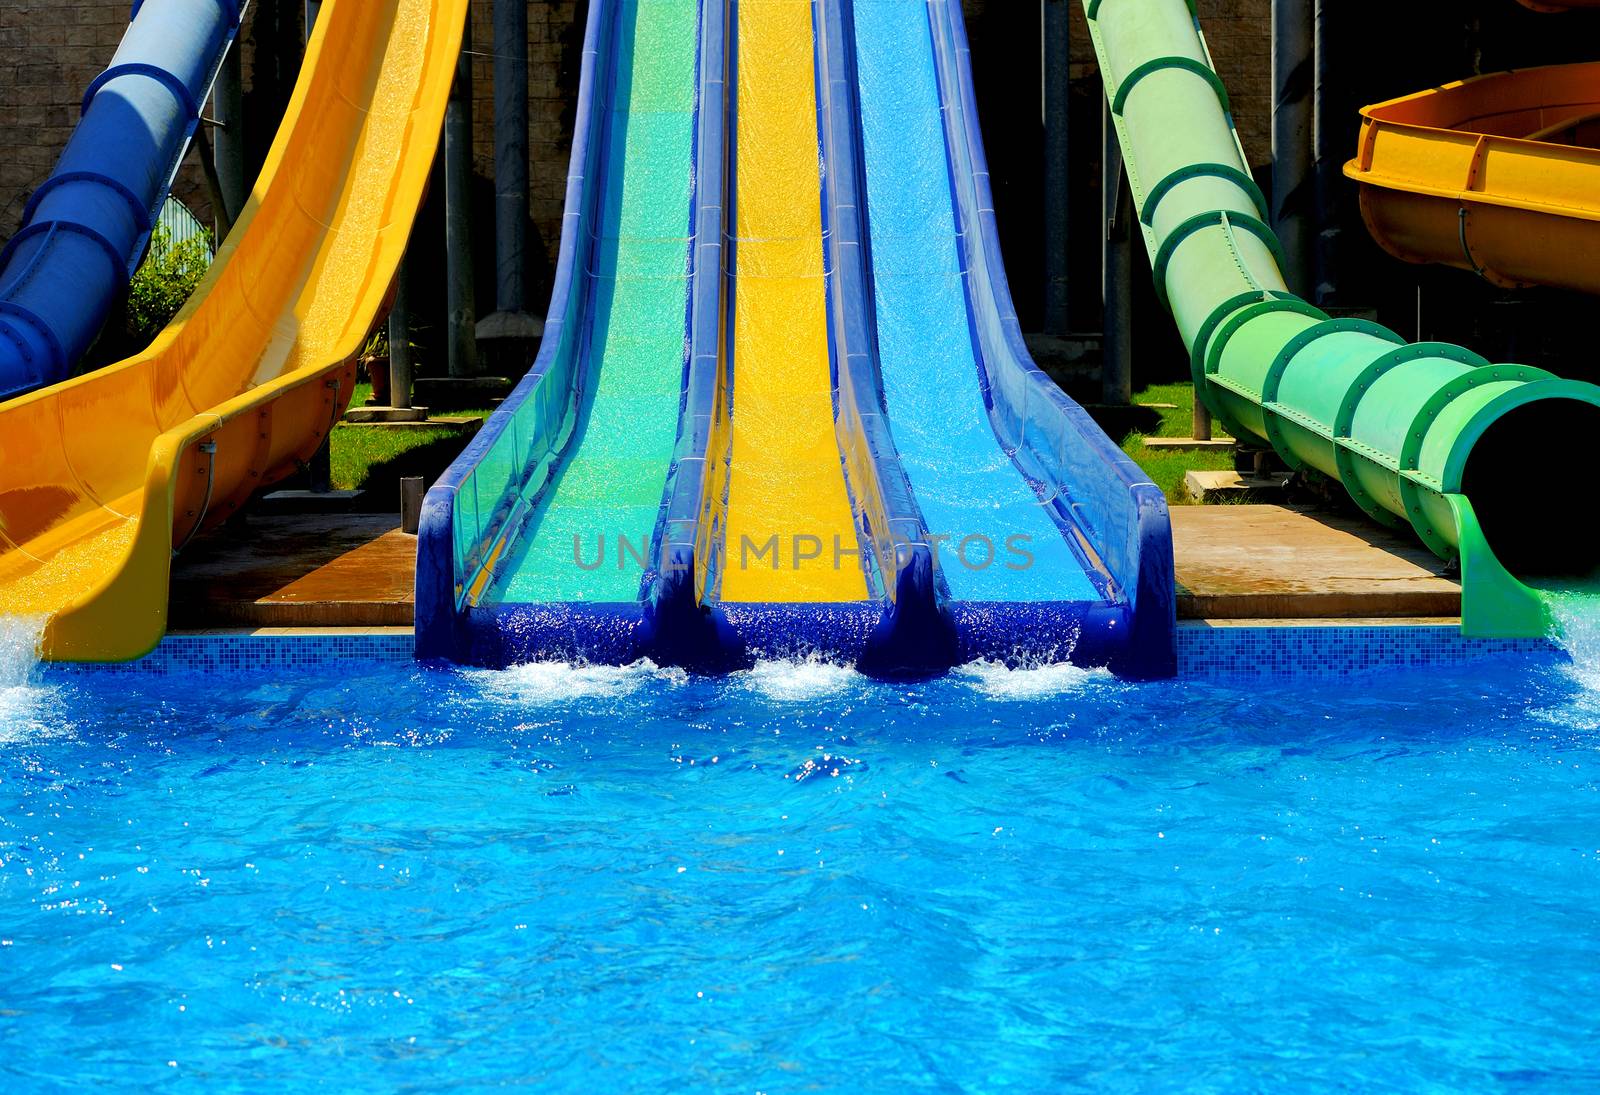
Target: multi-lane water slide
84, 229
105, 475
1429, 435
858, 456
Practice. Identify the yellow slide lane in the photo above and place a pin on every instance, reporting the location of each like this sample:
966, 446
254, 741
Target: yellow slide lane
786, 480
104, 475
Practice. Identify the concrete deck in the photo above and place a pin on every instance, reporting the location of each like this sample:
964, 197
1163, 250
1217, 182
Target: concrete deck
303, 570
1235, 563
1281, 563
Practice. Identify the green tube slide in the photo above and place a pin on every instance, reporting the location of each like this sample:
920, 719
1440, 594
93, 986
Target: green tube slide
1425, 434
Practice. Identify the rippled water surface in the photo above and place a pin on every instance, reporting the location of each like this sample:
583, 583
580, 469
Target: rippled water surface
796, 880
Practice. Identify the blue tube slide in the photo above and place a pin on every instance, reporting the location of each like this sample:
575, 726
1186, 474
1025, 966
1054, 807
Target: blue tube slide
1054, 543
475, 518
85, 228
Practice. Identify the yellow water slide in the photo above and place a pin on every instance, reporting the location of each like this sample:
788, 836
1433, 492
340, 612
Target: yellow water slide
1499, 175
103, 477
786, 481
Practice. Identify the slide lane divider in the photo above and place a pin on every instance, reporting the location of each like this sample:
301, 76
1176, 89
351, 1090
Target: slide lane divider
914, 632
687, 628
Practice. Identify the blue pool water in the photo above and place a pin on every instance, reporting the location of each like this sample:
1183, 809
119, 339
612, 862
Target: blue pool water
797, 880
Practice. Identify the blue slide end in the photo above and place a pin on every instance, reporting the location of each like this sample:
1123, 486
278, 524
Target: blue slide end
86, 227
1054, 542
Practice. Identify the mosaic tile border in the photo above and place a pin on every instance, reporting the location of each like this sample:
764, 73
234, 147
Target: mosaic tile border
1205, 649
1331, 650
243, 651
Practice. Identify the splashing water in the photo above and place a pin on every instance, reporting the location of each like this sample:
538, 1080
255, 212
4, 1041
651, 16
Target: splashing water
20, 637
799, 680
1575, 624
542, 683
1001, 682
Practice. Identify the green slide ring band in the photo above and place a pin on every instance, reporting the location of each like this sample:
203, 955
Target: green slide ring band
1345, 450
1280, 364
1206, 361
1201, 170
1411, 449
1158, 64
1216, 218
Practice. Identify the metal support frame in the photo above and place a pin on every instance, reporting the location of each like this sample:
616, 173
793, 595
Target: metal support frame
1057, 60
1116, 370
1293, 155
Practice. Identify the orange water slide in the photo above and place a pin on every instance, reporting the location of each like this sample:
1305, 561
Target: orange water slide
1499, 175
103, 477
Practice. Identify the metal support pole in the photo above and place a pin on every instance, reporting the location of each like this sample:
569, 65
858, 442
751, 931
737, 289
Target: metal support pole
1293, 185
1325, 127
510, 152
508, 339
227, 98
1116, 370
1200, 420
1057, 161
461, 291
320, 469
400, 364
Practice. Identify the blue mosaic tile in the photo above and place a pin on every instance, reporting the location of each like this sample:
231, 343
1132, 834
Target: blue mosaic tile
1206, 650
247, 651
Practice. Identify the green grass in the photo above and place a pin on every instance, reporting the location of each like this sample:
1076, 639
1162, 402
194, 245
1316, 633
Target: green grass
1166, 469
376, 460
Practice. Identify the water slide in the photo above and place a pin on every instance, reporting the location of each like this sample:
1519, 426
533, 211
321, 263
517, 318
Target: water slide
84, 229
860, 459
1499, 175
107, 474
1429, 435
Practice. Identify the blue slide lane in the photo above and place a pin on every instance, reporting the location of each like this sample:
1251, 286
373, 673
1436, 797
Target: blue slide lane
86, 226
964, 482
992, 447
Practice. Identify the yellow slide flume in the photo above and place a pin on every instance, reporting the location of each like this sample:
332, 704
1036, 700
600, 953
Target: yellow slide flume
786, 480
1499, 175
103, 476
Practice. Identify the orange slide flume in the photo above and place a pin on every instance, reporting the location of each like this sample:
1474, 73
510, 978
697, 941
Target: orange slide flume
103, 477
1499, 175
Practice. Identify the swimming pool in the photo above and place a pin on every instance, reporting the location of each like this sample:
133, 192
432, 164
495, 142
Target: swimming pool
799, 880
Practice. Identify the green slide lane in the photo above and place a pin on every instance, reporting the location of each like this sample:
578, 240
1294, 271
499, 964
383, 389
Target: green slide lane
612, 484
1429, 434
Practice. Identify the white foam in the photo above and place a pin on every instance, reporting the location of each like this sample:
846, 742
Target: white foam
1575, 624
792, 681
20, 638
540, 683
1001, 682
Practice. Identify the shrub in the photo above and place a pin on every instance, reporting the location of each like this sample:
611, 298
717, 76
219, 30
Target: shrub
164, 281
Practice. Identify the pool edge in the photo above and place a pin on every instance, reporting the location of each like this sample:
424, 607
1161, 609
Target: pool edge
1206, 648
